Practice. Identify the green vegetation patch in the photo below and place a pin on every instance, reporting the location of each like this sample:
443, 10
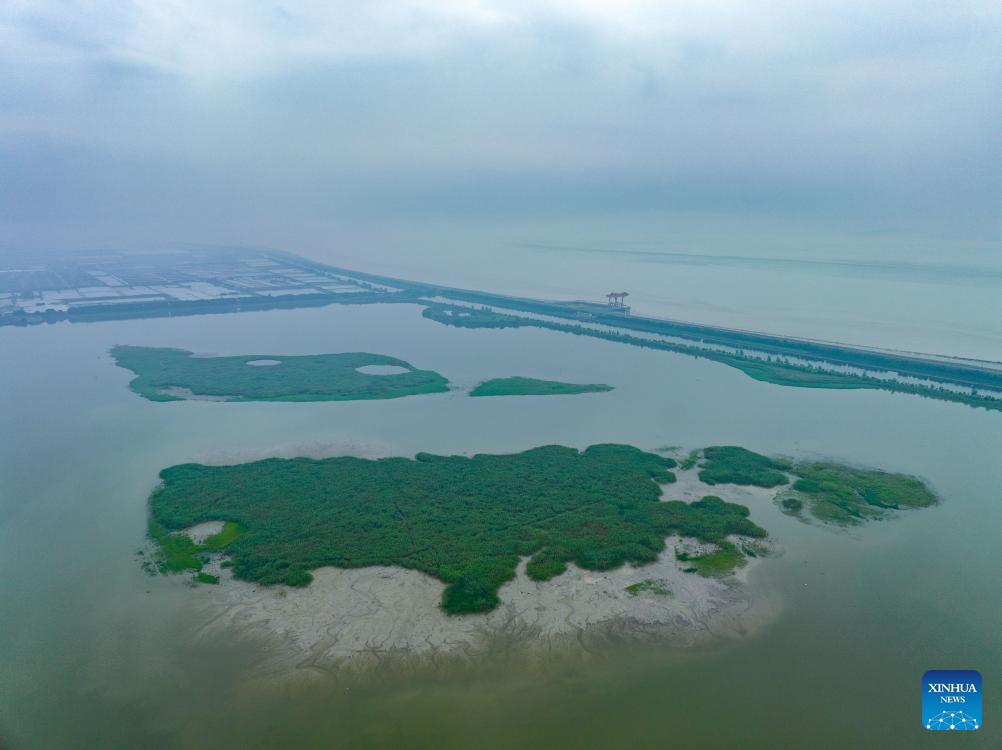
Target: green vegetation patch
222, 540
175, 374
792, 505
780, 373
177, 552
728, 464
726, 555
846, 495
519, 386
720, 562
690, 461
832, 493
648, 586
465, 521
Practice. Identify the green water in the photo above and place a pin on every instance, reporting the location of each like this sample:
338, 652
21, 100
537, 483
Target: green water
94, 654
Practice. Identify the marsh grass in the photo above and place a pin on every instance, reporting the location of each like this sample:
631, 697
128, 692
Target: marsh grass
720, 562
177, 552
729, 464
846, 495
519, 386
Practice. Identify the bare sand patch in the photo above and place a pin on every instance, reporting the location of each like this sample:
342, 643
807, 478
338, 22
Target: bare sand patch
189, 395
202, 531
382, 370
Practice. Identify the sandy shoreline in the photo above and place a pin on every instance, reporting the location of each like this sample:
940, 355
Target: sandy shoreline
361, 616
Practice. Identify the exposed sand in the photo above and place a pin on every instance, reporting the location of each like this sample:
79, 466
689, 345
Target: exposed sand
356, 617
189, 395
381, 370
200, 532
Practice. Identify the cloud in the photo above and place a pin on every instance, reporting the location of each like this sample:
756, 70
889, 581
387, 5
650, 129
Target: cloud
887, 109
234, 37
244, 37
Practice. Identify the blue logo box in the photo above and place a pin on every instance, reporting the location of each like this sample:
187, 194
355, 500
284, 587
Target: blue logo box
951, 699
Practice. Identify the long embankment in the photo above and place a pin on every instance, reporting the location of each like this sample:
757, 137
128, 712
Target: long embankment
976, 375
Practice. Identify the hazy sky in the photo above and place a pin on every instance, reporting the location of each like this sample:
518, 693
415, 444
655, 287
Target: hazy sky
305, 123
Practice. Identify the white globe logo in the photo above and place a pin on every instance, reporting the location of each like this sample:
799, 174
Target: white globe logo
952, 720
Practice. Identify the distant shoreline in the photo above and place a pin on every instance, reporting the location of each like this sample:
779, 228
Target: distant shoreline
780, 360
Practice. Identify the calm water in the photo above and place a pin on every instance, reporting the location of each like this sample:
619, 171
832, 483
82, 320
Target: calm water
862, 292
93, 653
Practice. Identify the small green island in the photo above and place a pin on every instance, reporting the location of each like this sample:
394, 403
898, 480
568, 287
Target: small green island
176, 374
465, 521
832, 493
519, 386
648, 586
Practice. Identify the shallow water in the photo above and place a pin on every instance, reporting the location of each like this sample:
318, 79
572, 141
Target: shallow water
97, 654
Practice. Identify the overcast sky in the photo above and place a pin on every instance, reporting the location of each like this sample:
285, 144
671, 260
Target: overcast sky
280, 122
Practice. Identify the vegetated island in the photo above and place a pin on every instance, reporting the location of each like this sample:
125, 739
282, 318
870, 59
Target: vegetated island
519, 386
176, 374
465, 521
832, 493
